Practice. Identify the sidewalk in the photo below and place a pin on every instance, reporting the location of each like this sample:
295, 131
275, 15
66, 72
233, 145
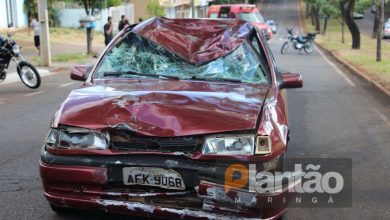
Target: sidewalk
30, 53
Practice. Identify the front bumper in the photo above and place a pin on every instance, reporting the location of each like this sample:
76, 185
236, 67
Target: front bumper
90, 182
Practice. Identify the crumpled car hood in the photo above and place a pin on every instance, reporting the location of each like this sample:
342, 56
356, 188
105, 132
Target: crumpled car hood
163, 108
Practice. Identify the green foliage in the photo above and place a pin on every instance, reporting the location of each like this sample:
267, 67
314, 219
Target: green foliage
362, 5
154, 8
89, 5
330, 8
112, 3
31, 7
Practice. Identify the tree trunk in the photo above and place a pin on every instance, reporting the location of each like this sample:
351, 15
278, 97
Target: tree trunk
89, 40
349, 6
376, 24
316, 15
325, 25
307, 14
380, 11
312, 17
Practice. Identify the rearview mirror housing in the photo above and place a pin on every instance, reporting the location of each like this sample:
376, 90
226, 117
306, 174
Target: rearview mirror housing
291, 80
80, 72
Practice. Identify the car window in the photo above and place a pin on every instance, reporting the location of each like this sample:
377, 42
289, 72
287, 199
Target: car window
252, 17
214, 15
137, 54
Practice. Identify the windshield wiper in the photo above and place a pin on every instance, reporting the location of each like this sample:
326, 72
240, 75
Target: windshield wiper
217, 79
120, 73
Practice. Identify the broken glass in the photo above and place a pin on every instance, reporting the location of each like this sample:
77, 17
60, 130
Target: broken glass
139, 55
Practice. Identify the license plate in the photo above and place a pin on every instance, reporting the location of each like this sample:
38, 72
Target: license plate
150, 176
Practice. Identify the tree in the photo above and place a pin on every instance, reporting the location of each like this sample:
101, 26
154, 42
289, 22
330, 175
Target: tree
328, 10
154, 8
376, 4
91, 7
348, 8
31, 7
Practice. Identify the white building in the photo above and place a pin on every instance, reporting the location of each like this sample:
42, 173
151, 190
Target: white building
12, 13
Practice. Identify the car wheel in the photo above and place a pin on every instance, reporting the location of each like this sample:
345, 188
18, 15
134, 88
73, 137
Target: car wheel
61, 210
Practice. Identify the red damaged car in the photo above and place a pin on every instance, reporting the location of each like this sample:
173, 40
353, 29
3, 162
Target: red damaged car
170, 107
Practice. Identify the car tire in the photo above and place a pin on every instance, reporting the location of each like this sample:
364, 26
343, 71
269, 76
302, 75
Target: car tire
61, 210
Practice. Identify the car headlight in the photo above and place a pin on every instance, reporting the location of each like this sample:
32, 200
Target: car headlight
236, 145
77, 138
15, 49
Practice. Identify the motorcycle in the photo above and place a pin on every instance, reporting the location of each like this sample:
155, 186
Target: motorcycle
299, 42
9, 50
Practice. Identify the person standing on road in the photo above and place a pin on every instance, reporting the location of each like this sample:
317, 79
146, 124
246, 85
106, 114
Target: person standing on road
122, 23
108, 31
34, 25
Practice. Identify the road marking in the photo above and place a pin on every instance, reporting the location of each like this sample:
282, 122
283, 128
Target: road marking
382, 116
338, 71
34, 93
67, 84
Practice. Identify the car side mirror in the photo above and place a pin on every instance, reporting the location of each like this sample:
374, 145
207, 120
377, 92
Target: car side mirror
291, 80
80, 72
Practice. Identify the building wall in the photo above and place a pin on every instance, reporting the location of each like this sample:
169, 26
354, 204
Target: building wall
140, 10
71, 17
18, 15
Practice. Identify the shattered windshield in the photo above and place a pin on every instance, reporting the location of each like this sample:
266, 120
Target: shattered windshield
136, 56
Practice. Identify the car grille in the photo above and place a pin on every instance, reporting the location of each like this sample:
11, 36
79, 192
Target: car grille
171, 144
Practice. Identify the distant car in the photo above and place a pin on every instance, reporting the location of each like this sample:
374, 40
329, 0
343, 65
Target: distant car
246, 12
357, 15
156, 123
386, 30
272, 25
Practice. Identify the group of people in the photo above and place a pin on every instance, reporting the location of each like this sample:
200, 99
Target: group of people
108, 27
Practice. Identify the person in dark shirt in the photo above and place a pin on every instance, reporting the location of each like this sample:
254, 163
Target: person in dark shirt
122, 23
108, 31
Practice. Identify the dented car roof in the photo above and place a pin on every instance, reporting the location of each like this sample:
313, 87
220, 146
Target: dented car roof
195, 40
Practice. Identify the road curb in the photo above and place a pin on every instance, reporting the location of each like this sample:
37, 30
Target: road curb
354, 70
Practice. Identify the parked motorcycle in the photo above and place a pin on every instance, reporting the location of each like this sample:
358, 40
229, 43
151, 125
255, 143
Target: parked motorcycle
9, 50
299, 42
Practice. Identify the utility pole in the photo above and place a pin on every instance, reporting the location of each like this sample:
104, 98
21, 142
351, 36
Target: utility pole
380, 31
44, 36
193, 8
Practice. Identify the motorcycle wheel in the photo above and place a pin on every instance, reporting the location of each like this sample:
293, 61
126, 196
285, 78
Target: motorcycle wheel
284, 48
309, 47
29, 75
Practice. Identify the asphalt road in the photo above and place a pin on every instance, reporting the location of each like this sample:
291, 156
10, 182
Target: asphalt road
334, 115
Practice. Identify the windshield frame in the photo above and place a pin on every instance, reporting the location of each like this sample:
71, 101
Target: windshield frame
119, 39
